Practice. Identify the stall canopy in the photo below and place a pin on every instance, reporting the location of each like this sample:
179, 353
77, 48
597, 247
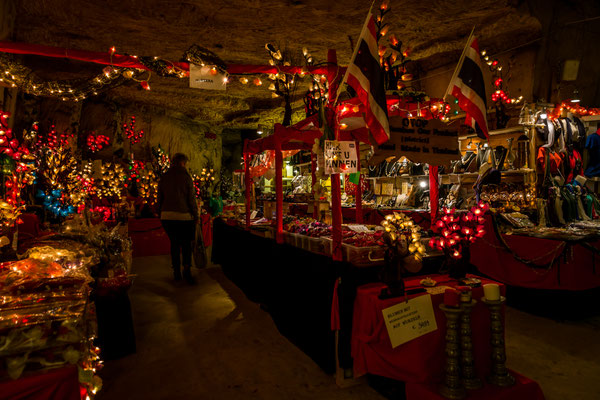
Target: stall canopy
300, 136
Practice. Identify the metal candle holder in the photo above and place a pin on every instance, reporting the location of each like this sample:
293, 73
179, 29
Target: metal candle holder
452, 387
467, 364
499, 375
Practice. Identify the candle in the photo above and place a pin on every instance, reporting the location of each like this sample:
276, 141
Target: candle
465, 294
451, 297
491, 291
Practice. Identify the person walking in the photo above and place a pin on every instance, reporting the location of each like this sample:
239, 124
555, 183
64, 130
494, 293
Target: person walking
179, 214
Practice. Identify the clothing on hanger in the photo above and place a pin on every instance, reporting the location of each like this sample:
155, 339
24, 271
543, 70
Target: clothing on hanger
592, 145
554, 158
574, 165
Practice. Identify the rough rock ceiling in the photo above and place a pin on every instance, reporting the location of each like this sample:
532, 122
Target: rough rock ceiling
237, 31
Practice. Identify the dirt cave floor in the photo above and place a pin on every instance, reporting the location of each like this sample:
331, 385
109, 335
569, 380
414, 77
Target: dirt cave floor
208, 341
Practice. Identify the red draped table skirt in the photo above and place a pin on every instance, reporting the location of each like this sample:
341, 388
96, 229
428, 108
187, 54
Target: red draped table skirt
420, 362
55, 384
149, 238
563, 266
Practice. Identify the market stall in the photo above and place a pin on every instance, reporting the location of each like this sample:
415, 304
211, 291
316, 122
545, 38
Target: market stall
545, 237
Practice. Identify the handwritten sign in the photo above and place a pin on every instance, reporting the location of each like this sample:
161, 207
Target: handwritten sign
409, 320
340, 157
419, 140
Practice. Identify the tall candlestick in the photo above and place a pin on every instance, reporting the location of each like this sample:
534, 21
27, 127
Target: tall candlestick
452, 387
467, 363
451, 297
491, 291
499, 375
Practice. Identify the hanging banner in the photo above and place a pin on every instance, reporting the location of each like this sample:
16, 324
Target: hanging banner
340, 157
408, 320
207, 77
420, 140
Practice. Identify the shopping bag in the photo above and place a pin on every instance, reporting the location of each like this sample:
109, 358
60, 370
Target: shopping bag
198, 249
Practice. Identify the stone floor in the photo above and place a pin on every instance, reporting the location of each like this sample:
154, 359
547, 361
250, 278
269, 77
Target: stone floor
209, 342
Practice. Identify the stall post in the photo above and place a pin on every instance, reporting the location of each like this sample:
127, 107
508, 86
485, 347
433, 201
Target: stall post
336, 195
358, 196
247, 184
313, 168
278, 190
434, 191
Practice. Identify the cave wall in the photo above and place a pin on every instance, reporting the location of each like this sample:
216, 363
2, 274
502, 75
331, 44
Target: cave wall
569, 32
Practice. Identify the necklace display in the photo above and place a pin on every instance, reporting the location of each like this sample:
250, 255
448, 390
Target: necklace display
393, 171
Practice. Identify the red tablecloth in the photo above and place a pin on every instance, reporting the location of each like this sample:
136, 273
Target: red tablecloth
576, 271
420, 360
56, 384
148, 237
524, 389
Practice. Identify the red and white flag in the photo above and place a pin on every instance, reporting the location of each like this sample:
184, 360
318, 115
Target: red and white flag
365, 76
468, 87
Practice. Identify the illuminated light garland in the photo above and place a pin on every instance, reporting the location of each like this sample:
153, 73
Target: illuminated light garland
133, 135
573, 108
400, 106
16, 74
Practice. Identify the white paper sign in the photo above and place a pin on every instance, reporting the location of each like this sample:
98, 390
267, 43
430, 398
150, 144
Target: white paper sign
409, 320
358, 228
340, 157
207, 77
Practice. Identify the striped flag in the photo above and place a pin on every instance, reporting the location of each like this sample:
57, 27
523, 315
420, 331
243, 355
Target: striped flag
365, 76
468, 87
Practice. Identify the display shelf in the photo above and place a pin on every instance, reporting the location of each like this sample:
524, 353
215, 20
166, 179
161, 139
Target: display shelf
515, 172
